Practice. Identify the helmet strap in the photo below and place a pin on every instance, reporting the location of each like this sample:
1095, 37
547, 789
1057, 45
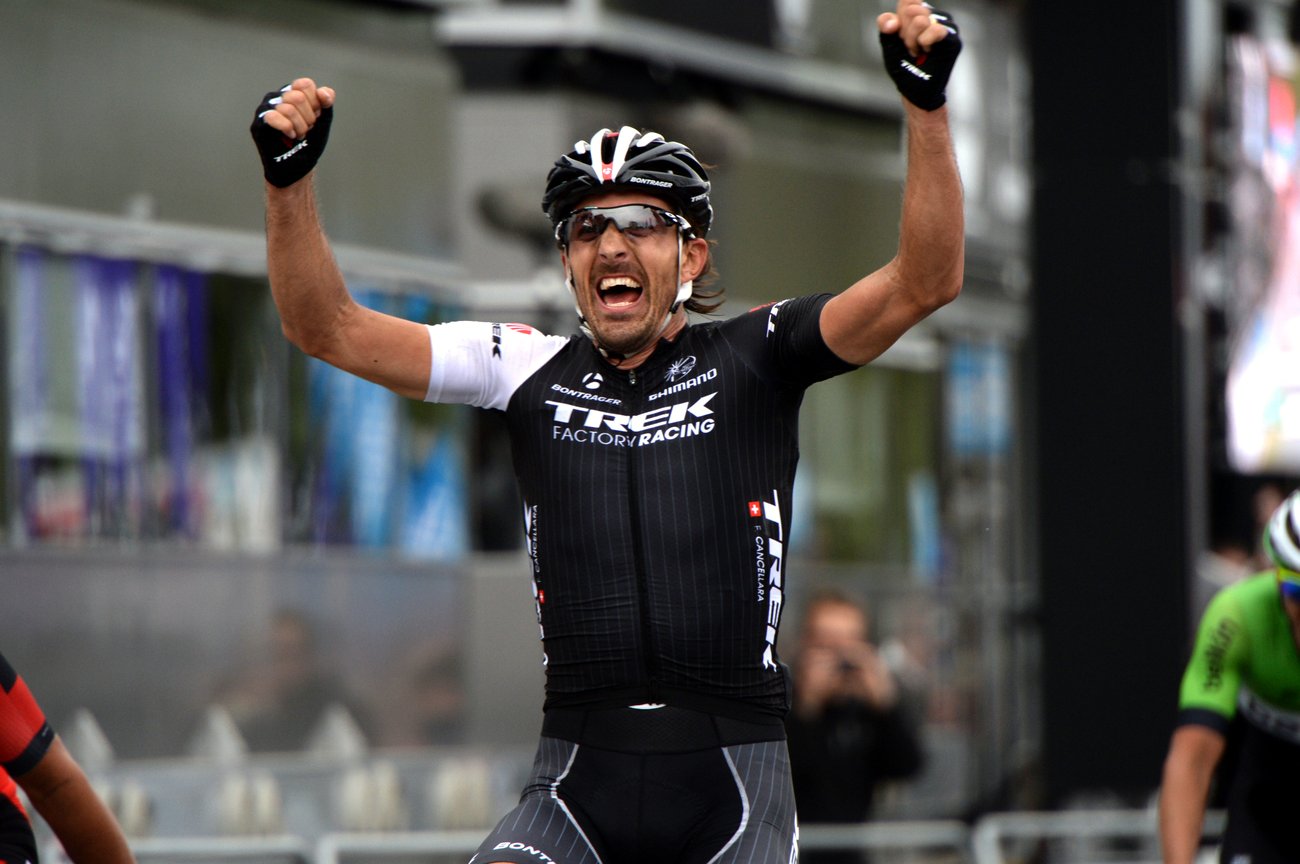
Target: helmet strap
684, 288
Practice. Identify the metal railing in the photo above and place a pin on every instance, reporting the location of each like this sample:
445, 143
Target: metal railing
337, 848
947, 836
921, 836
229, 849
1077, 835
285, 849
1137, 828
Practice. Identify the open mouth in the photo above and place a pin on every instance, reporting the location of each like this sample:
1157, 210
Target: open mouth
618, 292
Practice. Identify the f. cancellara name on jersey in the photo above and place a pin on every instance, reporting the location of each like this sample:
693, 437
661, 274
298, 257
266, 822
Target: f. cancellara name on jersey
587, 425
684, 385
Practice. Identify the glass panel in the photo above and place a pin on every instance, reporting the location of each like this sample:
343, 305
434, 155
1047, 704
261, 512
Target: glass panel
371, 468
76, 431
871, 451
156, 402
148, 643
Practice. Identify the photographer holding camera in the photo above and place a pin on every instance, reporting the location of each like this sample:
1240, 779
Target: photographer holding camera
848, 730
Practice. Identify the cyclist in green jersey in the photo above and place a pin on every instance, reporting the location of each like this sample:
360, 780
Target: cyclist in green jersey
1244, 672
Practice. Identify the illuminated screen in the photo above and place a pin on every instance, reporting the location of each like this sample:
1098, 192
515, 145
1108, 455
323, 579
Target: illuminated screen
1263, 387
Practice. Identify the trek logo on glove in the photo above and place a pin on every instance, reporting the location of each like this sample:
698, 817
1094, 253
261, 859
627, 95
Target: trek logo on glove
922, 79
284, 160
905, 65
283, 156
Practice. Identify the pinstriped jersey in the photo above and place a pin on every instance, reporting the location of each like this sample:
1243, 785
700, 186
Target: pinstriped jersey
656, 500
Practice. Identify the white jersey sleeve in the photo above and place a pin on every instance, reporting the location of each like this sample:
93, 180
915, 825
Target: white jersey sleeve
482, 364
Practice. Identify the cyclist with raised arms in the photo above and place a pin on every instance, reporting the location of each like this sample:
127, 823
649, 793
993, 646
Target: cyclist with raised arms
655, 458
1243, 677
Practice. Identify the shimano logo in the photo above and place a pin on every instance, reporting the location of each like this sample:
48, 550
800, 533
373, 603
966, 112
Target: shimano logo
647, 181
283, 156
683, 385
579, 394
924, 76
587, 425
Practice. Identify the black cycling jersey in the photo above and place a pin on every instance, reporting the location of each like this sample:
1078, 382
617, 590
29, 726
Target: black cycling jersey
657, 509
657, 512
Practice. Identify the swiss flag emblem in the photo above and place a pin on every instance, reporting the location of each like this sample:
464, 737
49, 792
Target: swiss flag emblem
541, 596
755, 508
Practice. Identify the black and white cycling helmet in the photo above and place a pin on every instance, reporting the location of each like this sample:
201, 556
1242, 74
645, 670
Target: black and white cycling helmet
1282, 536
630, 159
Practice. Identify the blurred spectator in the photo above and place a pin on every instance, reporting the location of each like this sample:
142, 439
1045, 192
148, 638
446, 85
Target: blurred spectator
848, 730
1264, 503
427, 707
33, 756
440, 700
278, 705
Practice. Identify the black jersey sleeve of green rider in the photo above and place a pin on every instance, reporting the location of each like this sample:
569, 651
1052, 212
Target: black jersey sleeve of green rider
784, 341
1213, 675
1203, 717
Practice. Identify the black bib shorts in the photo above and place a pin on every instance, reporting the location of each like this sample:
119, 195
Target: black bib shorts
632, 785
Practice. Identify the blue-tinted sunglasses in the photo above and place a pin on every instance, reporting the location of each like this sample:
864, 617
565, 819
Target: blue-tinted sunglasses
637, 221
1288, 581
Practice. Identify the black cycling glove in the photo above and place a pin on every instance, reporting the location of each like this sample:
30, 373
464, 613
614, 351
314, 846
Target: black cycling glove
922, 79
285, 161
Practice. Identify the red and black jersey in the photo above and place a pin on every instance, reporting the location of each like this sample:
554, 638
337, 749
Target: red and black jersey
25, 736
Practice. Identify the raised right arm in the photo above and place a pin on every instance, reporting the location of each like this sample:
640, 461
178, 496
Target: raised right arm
317, 313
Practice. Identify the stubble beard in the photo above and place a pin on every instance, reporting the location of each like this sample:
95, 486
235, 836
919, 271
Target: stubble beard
625, 337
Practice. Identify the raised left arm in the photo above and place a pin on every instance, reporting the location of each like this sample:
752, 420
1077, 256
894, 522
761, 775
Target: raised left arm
927, 271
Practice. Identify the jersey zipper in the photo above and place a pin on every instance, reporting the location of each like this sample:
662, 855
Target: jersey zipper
651, 664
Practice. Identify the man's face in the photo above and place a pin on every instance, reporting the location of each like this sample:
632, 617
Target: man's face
835, 627
833, 651
624, 285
